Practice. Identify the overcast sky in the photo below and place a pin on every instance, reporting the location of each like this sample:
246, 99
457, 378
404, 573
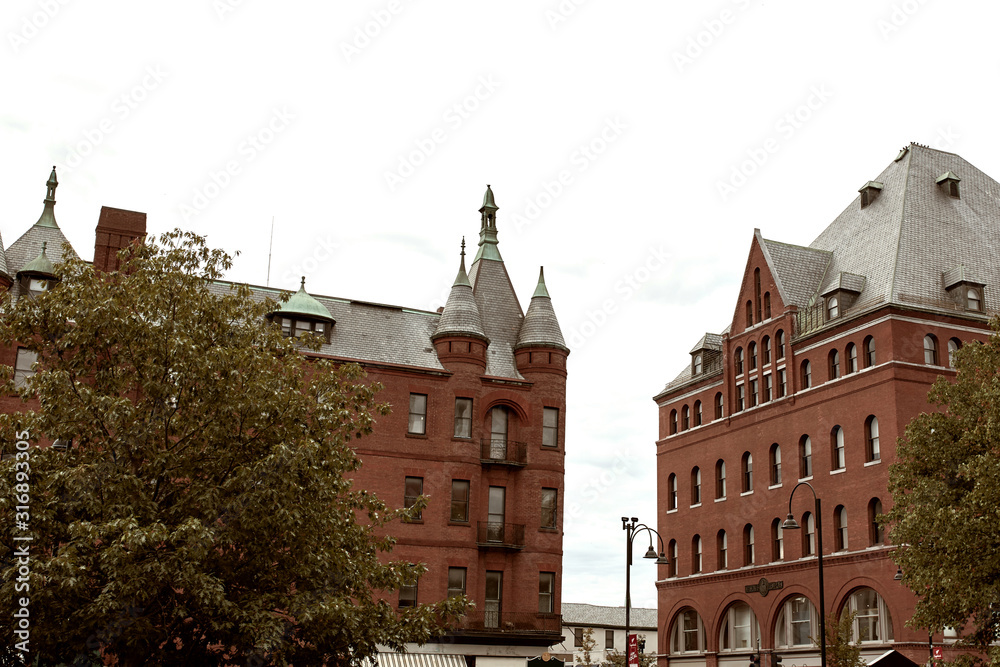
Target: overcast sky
633, 148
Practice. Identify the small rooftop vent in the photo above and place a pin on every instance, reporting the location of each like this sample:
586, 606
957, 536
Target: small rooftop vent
948, 182
869, 191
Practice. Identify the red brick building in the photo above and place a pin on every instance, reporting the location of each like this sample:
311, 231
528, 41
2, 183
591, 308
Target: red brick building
829, 353
478, 391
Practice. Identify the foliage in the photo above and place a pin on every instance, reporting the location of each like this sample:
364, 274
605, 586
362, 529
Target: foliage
840, 651
618, 658
946, 495
588, 645
204, 512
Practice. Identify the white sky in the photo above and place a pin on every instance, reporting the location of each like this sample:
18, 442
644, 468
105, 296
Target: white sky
140, 103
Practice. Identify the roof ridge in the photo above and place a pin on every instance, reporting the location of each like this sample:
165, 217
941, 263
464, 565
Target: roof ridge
899, 228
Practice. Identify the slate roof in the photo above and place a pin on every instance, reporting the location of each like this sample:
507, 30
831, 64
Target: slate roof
461, 314
611, 617
540, 326
797, 270
29, 245
709, 341
501, 313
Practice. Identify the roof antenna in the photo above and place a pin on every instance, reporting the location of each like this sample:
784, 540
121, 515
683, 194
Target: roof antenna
269, 247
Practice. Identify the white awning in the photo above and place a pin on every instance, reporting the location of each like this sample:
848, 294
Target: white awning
392, 659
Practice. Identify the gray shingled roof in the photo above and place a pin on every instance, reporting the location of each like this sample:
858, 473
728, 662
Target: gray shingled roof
797, 270
589, 615
29, 246
3, 258
461, 314
709, 341
540, 326
501, 313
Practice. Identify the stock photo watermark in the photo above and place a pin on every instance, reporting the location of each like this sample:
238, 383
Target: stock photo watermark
247, 151
225, 7
323, 250
561, 12
453, 117
34, 23
22, 541
371, 29
786, 127
899, 15
710, 31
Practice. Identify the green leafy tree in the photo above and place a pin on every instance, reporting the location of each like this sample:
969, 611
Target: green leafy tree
840, 649
587, 646
204, 512
946, 501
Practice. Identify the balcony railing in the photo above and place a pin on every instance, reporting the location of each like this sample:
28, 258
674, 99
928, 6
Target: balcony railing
503, 452
509, 622
500, 535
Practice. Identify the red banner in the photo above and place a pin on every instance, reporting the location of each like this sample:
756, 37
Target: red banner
633, 650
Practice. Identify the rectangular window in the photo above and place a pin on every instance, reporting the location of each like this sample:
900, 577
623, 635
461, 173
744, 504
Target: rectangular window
460, 500
408, 595
23, 366
550, 427
418, 414
546, 592
577, 637
782, 383
739, 397
550, 499
414, 488
463, 417
753, 393
609, 639
456, 582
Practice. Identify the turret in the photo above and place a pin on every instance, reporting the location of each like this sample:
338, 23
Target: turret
540, 345
303, 313
460, 336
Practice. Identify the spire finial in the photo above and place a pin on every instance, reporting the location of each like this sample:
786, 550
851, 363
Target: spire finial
303, 285
463, 250
540, 289
44, 243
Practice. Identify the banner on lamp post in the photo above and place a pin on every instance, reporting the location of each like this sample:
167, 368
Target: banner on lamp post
633, 650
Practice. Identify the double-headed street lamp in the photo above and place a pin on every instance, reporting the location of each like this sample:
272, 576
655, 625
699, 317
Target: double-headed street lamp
632, 529
790, 524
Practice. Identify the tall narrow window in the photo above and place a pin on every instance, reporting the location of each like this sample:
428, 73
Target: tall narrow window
768, 388
24, 366
749, 555
413, 488
973, 300
775, 464
832, 308
463, 417
723, 544
752, 353
777, 541
685, 418
673, 422
460, 500
550, 427
834, 364
869, 351
672, 492
754, 392
837, 446
696, 554
872, 449
805, 457
876, 534
697, 413
953, 346
720, 479
738, 360
418, 414
765, 351
840, 527
718, 406
779, 342
809, 535
740, 397
767, 305
609, 640
782, 383
756, 291
672, 567
696, 486
930, 350
550, 505
546, 592
749, 314
494, 599
852, 358
747, 472
806, 374
456, 581
697, 364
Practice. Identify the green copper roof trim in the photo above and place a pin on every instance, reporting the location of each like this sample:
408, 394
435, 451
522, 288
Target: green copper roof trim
303, 303
462, 278
872, 184
48, 216
488, 231
488, 201
540, 290
947, 176
40, 265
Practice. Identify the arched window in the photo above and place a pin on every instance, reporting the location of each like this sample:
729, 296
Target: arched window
718, 406
740, 397
872, 450
840, 527
672, 492
954, 345
738, 361
697, 364
777, 541
779, 342
696, 554
749, 556
775, 460
873, 622
697, 413
807, 376
834, 364
688, 633
720, 479
852, 358
696, 486
752, 350
756, 291
673, 422
869, 351
765, 351
832, 308
739, 630
837, 447
749, 314
808, 534
876, 534
767, 305
796, 624
685, 418
747, 472
723, 546
672, 550
930, 350
973, 300
805, 457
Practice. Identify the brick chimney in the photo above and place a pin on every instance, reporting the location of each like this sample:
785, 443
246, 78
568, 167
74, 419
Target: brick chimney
116, 229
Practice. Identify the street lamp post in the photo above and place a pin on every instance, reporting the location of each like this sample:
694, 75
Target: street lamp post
790, 524
632, 529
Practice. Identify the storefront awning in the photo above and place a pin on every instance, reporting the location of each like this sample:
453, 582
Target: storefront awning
420, 660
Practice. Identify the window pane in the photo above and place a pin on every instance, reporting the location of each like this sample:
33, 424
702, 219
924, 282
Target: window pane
460, 500
414, 487
456, 581
418, 414
23, 366
550, 499
463, 417
546, 588
550, 427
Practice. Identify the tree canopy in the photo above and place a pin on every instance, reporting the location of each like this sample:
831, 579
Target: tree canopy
946, 501
203, 512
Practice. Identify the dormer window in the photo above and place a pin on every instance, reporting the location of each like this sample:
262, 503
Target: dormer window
303, 314
948, 182
966, 288
869, 191
832, 308
295, 327
973, 300
697, 364
37, 286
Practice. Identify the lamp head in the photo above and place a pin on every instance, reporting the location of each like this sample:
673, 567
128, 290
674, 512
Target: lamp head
650, 553
790, 523
662, 560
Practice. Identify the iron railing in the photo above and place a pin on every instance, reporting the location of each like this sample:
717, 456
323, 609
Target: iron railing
503, 452
509, 622
503, 535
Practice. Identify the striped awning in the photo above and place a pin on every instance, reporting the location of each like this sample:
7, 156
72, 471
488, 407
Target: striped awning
393, 659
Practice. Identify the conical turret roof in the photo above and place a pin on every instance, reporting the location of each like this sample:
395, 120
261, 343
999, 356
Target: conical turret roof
303, 303
461, 316
540, 326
